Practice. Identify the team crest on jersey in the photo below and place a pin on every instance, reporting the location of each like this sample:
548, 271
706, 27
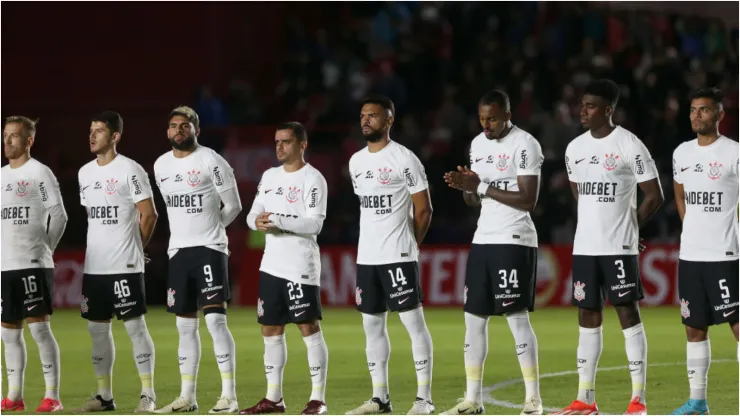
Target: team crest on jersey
358, 296
714, 172
83, 304
465, 295
685, 312
610, 161
503, 162
110, 187
578, 293
193, 178
260, 308
170, 298
384, 176
292, 194
22, 189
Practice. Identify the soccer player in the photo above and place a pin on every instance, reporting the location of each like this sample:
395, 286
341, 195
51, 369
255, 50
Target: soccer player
195, 181
705, 178
33, 223
504, 180
605, 165
290, 207
395, 212
117, 196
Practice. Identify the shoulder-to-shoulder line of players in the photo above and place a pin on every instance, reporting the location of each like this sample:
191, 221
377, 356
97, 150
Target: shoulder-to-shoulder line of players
605, 166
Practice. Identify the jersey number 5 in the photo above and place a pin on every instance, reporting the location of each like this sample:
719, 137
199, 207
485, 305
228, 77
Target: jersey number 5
399, 278
724, 288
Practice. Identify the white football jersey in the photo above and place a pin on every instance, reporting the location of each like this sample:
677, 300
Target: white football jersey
28, 192
299, 194
499, 163
607, 172
709, 175
384, 181
110, 194
190, 187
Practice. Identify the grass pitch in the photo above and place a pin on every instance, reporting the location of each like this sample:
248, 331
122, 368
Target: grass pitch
349, 380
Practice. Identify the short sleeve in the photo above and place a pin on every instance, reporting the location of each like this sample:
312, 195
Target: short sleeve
353, 176
642, 163
138, 184
569, 164
529, 158
83, 201
676, 168
49, 190
222, 174
315, 198
414, 175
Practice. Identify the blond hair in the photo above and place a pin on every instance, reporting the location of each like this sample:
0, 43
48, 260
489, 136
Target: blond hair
29, 125
188, 113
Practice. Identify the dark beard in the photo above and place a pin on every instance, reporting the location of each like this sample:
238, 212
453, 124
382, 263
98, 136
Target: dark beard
374, 137
186, 144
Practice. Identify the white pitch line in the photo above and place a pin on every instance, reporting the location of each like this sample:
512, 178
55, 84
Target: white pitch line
488, 391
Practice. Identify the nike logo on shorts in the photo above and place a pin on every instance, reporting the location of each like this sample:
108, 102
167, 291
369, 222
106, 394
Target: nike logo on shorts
162, 180
209, 297
402, 301
683, 169
31, 307
505, 304
579, 161
726, 314
300, 313
622, 294
125, 312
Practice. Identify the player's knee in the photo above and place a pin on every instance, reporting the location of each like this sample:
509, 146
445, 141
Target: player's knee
590, 318
207, 310
13, 325
273, 330
309, 328
34, 319
374, 324
135, 326
696, 334
12, 335
40, 331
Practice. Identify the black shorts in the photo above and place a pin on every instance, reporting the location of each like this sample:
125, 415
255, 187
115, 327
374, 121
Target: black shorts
282, 301
26, 293
198, 276
104, 295
597, 278
500, 279
708, 292
392, 286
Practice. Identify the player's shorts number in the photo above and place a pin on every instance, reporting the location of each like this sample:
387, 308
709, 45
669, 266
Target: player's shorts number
29, 283
620, 266
724, 288
120, 288
512, 280
398, 278
207, 272
295, 291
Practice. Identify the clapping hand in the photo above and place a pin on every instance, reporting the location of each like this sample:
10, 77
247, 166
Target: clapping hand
464, 179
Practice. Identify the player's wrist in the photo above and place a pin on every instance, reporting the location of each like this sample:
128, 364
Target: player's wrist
483, 188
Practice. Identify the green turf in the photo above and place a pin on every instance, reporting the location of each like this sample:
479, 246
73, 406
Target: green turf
349, 381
